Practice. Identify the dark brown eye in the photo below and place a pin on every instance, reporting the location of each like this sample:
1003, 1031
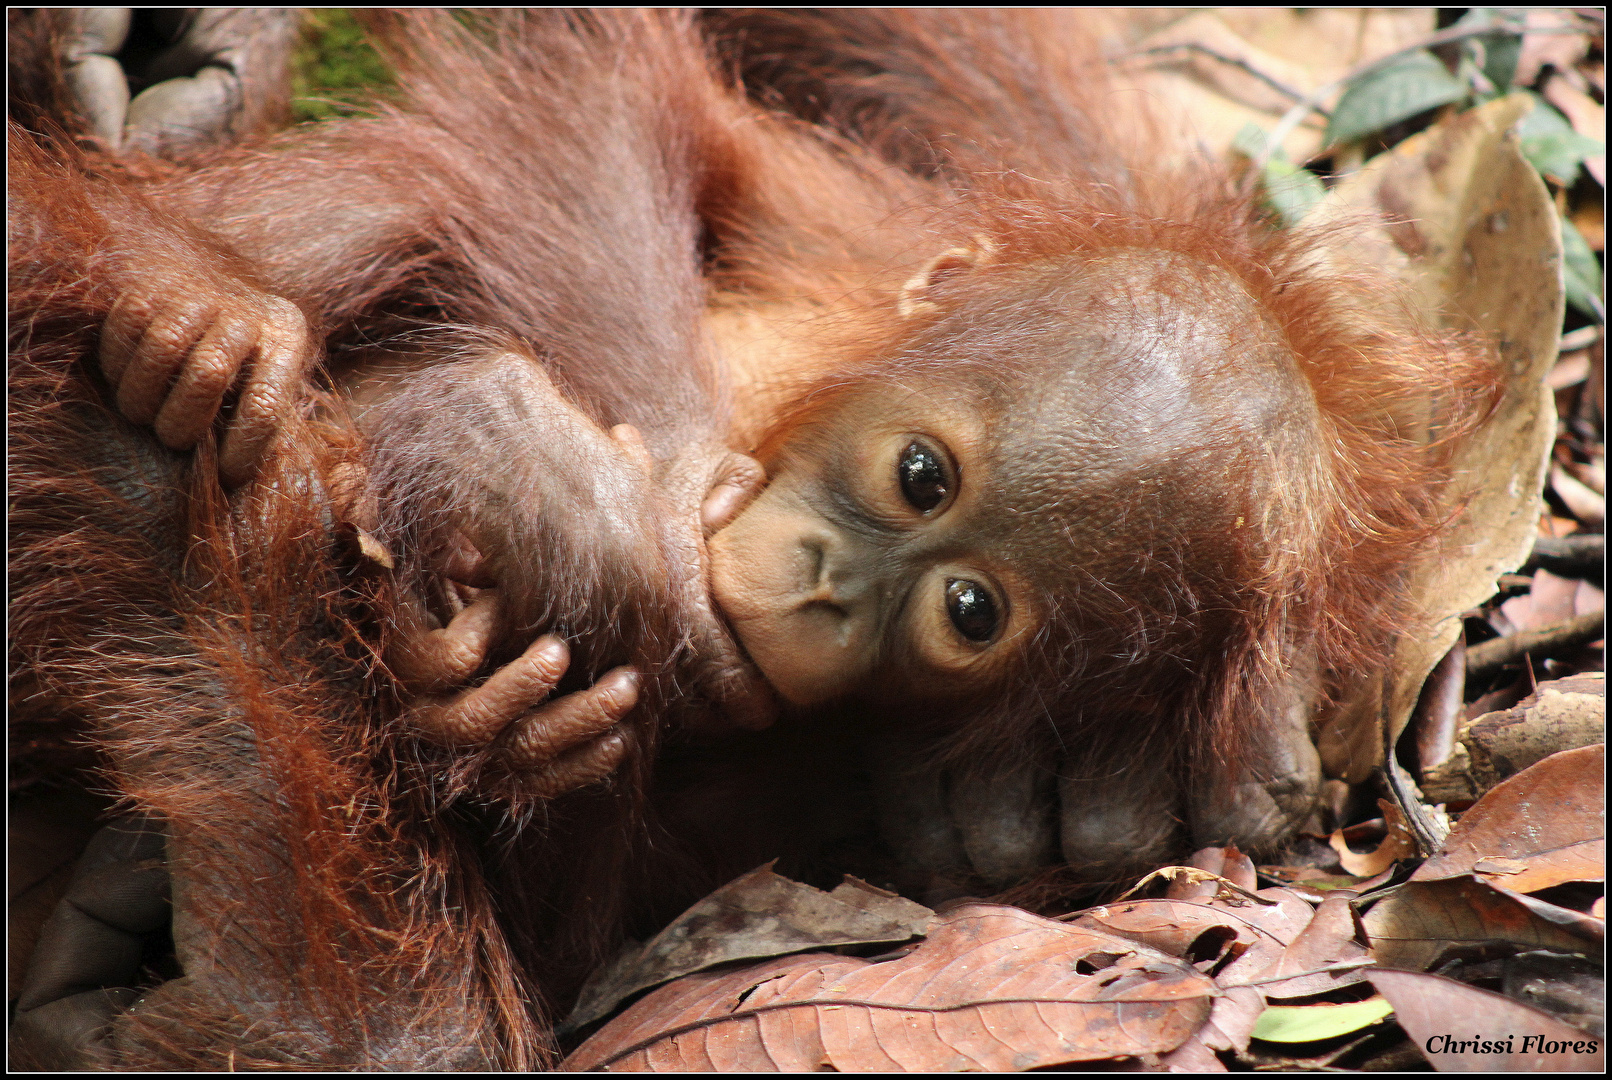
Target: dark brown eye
922, 476
971, 610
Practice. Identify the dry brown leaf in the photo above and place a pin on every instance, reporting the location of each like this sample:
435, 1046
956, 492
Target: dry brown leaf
1279, 927
992, 988
1479, 239
1250, 947
1413, 925
1550, 600
1546, 44
1241, 940
1323, 956
1451, 1023
1548, 822
756, 915
1190, 929
1587, 506
1229, 1027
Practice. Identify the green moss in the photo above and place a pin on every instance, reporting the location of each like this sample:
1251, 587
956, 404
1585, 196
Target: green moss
335, 68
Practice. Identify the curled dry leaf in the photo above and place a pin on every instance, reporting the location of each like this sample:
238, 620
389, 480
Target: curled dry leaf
1227, 864
992, 988
1550, 600
1275, 944
1564, 714
1561, 714
756, 915
1585, 503
1478, 238
1461, 1028
1398, 844
1542, 827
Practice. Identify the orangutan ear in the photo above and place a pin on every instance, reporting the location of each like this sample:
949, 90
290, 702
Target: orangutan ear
918, 296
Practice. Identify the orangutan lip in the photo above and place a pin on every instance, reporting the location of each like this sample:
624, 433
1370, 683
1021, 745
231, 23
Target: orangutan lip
751, 701
729, 636
743, 690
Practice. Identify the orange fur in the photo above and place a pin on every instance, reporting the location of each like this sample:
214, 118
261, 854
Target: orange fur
223, 650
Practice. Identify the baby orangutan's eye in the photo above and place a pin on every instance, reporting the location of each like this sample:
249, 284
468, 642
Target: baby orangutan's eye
924, 483
971, 610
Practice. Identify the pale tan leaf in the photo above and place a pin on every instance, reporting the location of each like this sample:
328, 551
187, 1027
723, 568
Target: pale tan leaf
1474, 231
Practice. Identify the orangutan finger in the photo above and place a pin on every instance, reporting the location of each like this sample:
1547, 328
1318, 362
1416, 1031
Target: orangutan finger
563, 723
429, 661
517, 687
125, 325
476, 716
203, 379
578, 767
739, 482
466, 564
164, 346
274, 380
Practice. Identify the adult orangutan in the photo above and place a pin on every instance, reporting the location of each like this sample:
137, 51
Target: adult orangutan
1081, 484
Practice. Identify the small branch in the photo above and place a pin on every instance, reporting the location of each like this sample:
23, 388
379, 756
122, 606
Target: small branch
1234, 61
1195, 876
1426, 830
1582, 556
1488, 657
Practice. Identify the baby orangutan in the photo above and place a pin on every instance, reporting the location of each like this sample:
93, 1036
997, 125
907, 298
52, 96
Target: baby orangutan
1052, 495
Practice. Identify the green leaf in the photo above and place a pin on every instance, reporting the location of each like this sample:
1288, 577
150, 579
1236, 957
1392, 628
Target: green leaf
1307, 1023
1291, 191
1250, 142
1551, 145
1398, 92
1560, 155
1542, 119
1581, 274
1501, 49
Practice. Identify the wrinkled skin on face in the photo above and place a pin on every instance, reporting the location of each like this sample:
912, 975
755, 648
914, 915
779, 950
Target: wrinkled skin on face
863, 559
915, 533
1094, 454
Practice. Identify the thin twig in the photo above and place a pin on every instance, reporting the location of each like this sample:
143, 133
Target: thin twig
1236, 62
1488, 657
1327, 969
1579, 556
1196, 876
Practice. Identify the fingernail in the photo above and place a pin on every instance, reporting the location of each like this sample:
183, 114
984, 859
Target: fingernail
552, 652
622, 686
